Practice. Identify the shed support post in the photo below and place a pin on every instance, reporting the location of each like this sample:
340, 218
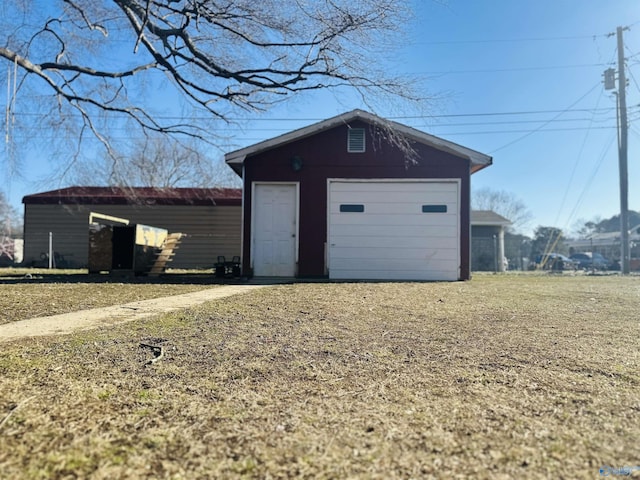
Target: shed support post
50, 250
500, 258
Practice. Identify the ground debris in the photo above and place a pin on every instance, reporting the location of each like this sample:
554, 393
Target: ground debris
158, 353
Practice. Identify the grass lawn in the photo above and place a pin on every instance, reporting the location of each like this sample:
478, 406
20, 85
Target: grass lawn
505, 376
29, 293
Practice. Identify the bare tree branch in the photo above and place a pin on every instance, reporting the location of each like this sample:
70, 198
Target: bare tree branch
106, 64
503, 203
157, 161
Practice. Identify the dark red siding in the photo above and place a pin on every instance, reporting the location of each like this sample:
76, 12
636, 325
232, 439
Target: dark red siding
324, 156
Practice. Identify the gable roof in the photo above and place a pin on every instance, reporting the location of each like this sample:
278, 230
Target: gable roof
136, 196
478, 160
488, 218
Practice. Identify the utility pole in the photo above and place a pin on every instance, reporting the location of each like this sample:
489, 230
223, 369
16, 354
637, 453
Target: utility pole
622, 159
609, 84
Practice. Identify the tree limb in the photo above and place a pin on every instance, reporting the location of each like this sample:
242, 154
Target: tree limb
220, 56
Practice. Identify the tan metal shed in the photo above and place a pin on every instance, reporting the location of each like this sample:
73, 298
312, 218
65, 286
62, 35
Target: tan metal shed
210, 218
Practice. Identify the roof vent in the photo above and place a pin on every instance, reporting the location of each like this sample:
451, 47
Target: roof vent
355, 140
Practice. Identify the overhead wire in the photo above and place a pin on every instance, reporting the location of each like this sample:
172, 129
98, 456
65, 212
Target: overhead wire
546, 123
594, 172
541, 128
599, 115
511, 69
259, 139
602, 110
515, 40
630, 72
551, 243
578, 159
575, 164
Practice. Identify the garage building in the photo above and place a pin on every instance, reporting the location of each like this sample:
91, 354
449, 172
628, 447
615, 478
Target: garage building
357, 197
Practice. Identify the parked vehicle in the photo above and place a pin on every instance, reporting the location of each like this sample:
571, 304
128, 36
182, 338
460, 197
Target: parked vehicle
555, 261
590, 261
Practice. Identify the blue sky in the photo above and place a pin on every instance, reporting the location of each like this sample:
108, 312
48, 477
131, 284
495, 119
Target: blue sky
518, 80
542, 56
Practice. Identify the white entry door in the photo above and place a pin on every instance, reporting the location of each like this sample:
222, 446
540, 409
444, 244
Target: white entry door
274, 230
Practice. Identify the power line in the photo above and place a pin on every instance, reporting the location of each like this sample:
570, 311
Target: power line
633, 78
513, 40
576, 163
587, 185
603, 110
512, 122
260, 139
528, 132
514, 69
426, 126
517, 112
545, 124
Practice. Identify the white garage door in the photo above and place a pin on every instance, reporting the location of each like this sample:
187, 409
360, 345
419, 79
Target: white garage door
394, 230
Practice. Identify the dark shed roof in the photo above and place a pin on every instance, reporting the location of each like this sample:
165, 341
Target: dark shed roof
137, 196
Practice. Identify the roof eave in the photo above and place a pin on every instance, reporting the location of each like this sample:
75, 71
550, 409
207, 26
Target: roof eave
477, 167
478, 160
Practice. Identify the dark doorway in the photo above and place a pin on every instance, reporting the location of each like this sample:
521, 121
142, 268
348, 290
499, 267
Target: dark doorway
123, 245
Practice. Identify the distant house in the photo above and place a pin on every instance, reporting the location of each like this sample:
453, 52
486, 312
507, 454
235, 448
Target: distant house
341, 199
608, 244
210, 217
487, 241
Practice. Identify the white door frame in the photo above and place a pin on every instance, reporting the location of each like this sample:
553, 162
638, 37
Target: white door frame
457, 181
253, 220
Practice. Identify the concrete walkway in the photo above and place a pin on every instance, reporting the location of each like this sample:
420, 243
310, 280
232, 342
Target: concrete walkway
99, 317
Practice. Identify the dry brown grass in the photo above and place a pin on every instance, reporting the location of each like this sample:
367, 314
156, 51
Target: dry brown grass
29, 293
500, 377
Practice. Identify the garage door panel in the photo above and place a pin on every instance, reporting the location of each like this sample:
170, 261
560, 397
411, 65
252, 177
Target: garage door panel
385, 187
396, 266
395, 198
391, 242
392, 222
392, 256
384, 231
371, 271
373, 231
